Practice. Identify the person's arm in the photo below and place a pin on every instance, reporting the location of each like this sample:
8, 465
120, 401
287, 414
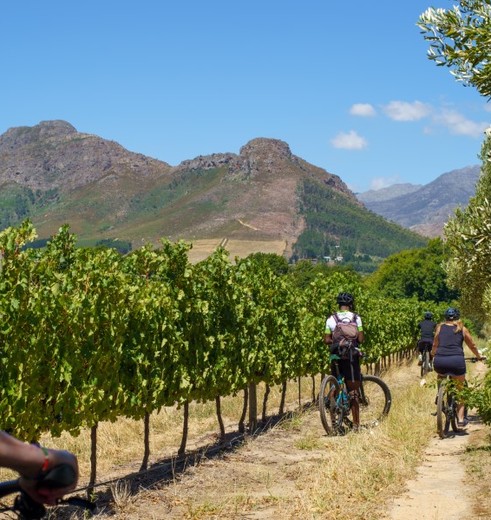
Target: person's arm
361, 334
328, 332
470, 343
361, 337
30, 461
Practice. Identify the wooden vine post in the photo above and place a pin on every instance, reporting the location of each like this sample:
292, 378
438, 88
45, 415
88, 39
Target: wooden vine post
252, 408
185, 429
146, 441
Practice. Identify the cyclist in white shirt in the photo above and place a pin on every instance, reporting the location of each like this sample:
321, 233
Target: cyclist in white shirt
347, 365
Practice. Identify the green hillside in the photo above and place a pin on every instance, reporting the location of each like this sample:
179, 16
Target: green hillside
336, 226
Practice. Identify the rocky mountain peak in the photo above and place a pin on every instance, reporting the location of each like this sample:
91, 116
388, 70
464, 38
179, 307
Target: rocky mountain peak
265, 148
44, 131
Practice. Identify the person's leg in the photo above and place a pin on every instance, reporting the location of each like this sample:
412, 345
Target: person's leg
354, 393
460, 381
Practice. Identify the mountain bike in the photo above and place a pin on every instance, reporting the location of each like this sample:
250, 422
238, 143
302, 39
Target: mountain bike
426, 365
446, 405
25, 508
335, 403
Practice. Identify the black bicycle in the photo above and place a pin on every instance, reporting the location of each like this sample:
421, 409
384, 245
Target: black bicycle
426, 365
25, 508
446, 405
335, 405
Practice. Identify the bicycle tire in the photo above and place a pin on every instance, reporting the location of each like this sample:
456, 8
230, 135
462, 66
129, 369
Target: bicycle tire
375, 400
452, 408
331, 413
441, 412
425, 364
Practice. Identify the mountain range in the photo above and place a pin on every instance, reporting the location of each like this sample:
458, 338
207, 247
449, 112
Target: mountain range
263, 199
424, 208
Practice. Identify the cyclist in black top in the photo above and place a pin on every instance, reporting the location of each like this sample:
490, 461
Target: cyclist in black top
427, 328
448, 353
32, 462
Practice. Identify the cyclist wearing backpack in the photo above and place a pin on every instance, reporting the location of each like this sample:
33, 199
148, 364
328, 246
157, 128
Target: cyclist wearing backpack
344, 333
427, 328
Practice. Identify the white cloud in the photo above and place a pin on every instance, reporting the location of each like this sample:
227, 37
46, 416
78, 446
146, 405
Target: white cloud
458, 124
362, 109
378, 183
404, 111
349, 141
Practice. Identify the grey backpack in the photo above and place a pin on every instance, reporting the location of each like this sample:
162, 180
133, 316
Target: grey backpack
345, 335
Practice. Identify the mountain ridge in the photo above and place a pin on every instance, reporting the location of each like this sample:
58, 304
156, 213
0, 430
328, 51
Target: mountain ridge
54, 174
425, 208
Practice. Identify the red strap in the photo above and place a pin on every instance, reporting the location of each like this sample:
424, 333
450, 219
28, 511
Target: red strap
45, 465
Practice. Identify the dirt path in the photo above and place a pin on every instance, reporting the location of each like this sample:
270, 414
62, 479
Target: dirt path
439, 490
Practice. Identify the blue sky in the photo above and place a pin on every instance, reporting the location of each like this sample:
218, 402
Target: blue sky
346, 84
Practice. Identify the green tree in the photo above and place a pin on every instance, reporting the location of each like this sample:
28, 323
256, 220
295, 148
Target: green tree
460, 39
468, 237
277, 263
417, 273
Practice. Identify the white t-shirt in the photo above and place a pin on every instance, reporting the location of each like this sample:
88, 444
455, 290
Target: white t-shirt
342, 316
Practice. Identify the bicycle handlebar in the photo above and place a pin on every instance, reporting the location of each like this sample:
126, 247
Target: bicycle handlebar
60, 476
475, 359
9, 487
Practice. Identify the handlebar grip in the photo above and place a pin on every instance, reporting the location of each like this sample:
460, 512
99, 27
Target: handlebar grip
60, 476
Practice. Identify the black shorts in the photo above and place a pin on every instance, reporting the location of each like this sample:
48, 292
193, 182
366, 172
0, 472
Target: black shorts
425, 344
453, 365
350, 370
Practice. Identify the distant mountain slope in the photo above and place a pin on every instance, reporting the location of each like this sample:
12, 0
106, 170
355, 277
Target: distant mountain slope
391, 192
425, 209
55, 175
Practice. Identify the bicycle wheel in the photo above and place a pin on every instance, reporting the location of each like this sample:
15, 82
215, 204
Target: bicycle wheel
330, 408
425, 364
375, 400
442, 419
452, 412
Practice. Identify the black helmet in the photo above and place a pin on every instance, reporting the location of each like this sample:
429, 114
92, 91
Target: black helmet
428, 315
345, 298
452, 314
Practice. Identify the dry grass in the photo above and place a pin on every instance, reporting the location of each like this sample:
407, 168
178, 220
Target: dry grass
203, 248
477, 460
120, 444
292, 471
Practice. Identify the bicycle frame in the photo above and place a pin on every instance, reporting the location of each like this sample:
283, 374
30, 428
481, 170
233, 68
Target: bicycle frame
335, 402
343, 399
446, 408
